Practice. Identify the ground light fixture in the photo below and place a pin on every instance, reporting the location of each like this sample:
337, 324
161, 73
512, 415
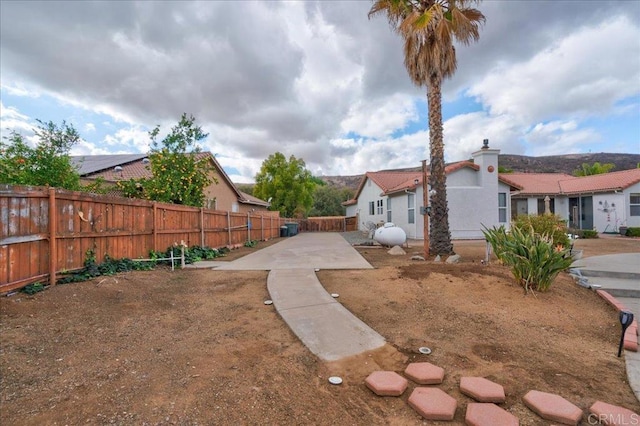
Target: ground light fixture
626, 318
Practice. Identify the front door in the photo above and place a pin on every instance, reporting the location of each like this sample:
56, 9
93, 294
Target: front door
581, 212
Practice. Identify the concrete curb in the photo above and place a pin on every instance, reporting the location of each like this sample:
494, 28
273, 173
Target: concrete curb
631, 335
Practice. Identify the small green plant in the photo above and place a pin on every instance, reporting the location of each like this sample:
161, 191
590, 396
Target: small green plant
550, 225
633, 232
535, 261
33, 288
584, 233
110, 266
191, 254
251, 243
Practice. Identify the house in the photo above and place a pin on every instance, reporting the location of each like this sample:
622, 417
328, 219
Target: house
602, 202
223, 195
476, 197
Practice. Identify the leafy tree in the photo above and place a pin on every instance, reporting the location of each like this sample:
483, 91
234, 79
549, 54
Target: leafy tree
429, 28
593, 169
180, 176
327, 200
247, 188
287, 183
46, 164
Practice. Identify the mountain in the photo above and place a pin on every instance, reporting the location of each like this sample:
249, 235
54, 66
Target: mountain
522, 163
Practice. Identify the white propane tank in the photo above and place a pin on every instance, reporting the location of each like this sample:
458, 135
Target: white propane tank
390, 235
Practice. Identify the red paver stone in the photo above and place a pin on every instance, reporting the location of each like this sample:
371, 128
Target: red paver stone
433, 404
612, 414
424, 373
386, 383
482, 390
485, 414
553, 407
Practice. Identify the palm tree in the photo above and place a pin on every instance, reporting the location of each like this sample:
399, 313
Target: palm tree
429, 28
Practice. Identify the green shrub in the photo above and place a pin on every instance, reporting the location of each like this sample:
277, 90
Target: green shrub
547, 224
584, 233
533, 258
110, 266
33, 288
633, 232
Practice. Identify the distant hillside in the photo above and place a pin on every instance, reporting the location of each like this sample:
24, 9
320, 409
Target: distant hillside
521, 163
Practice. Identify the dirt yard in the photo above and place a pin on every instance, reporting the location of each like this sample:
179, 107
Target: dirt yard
200, 347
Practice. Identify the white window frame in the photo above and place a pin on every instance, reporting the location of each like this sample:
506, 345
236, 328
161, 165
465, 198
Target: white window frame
380, 205
411, 207
502, 207
372, 208
388, 209
634, 205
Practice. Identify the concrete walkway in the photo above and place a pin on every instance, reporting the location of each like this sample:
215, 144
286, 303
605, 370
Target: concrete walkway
326, 327
619, 275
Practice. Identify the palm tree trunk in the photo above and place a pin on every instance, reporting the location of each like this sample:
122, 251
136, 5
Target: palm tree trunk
440, 239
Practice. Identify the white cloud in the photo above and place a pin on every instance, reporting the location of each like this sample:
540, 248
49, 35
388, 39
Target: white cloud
382, 117
580, 75
12, 120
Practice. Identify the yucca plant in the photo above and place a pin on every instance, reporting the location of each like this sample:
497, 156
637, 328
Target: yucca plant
533, 258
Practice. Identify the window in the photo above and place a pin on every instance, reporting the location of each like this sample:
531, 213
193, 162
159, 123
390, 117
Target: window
380, 206
634, 204
502, 207
388, 209
411, 205
372, 208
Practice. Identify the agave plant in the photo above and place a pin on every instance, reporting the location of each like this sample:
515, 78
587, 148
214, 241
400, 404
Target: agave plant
533, 258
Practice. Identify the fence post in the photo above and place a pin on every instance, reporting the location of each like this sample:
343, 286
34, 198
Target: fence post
202, 227
248, 226
262, 227
229, 225
53, 243
155, 227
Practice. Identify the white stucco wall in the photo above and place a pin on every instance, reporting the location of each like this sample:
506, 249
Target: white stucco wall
472, 197
608, 211
371, 192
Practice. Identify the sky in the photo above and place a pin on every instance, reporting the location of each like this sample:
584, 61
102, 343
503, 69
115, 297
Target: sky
319, 80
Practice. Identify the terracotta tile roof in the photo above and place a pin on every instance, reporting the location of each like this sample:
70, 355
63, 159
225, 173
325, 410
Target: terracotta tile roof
560, 183
535, 183
393, 182
605, 182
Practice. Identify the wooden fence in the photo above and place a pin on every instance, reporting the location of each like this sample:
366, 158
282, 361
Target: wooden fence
45, 231
328, 224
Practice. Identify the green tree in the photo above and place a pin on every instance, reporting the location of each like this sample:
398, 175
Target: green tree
247, 188
46, 164
287, 183
593, 169
180, 175
328, 199
429, 28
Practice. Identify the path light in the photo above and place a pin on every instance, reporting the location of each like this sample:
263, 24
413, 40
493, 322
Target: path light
626, 318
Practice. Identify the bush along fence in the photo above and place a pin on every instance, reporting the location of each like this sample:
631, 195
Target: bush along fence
45, 231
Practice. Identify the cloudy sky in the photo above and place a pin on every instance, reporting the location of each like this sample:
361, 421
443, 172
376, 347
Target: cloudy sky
319, 80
